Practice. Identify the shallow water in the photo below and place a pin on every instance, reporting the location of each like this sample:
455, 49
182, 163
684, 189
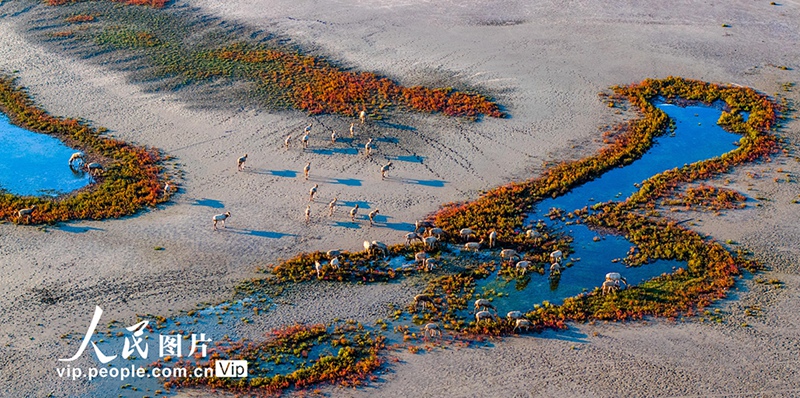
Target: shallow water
35, 164
696, 137
595, 260
214, 323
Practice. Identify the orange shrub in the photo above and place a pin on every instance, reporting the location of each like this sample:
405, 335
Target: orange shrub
80, 18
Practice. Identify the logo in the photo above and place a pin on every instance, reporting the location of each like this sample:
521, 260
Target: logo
169, 345
231, 368
134, 346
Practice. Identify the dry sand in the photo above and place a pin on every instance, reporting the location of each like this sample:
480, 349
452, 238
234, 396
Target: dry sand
544, 61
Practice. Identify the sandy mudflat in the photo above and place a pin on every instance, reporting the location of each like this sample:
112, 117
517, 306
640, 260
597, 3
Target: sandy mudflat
544, 61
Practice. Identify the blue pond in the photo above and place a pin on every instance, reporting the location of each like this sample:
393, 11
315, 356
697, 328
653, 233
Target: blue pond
34, 164
696, 137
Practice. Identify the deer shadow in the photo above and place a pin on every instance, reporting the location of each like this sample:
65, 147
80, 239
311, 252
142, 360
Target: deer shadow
351, 203
350, 182
397, 126
332, 151
382, 221
425, 183
212, 203
260, 234
347, 224
409, 158
389, 140
571, 334
76, 229
276, 173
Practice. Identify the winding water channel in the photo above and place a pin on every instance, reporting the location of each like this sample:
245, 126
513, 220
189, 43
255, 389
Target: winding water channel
696, 137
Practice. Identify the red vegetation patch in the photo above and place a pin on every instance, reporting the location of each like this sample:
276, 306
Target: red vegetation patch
62, 34
149, 3
708, 198
80, 18
318, 87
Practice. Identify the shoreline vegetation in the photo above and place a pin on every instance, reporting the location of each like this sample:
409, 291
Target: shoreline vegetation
710, 271
133, 177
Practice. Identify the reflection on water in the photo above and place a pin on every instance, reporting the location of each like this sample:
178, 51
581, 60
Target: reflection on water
35, 164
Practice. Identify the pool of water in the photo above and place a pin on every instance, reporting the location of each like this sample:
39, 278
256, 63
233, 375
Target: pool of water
35, 164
